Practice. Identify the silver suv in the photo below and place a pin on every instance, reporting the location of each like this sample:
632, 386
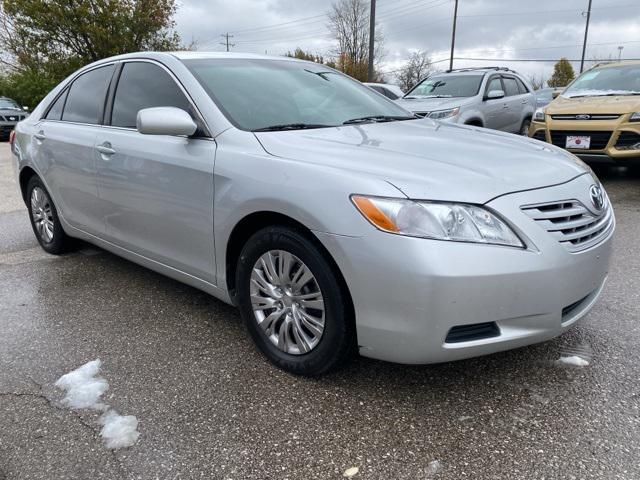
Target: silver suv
491, 97
10, 115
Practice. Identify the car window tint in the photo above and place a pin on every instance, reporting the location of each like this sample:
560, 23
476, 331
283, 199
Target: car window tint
389, 94
377, 88
510, 86
144, 85
55, 112
521, 86
494, 84
86, 96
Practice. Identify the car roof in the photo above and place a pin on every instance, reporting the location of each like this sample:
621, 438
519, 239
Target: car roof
624, 63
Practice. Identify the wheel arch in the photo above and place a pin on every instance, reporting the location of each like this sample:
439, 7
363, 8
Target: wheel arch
26, 174
474, 121
256, 221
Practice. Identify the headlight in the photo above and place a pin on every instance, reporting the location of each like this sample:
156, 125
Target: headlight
539, 115
457, 222
635, 117
440, 114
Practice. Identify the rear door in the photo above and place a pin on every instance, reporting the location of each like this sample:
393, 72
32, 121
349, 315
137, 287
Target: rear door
64, 148
495, 110
156, 190
516, 102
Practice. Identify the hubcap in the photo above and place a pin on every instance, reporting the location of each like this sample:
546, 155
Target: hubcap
41, 214
287, 302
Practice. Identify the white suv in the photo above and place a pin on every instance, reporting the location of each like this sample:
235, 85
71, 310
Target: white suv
491, 97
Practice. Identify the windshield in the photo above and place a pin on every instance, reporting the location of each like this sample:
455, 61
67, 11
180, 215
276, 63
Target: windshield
447, 86
622, 80
260, 94
6, 103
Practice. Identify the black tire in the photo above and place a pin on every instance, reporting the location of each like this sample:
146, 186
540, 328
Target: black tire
60, 241
337, 342
524, 128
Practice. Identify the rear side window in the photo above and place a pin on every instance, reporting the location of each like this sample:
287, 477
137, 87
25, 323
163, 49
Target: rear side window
144, 85
521, 86
389, 94
510, 86
86, 96
55, 112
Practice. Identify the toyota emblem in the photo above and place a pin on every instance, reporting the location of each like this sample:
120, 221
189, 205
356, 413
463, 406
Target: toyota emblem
597, 197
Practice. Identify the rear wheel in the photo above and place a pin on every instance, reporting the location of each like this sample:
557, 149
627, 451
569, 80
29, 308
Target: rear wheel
44, 219
293, 302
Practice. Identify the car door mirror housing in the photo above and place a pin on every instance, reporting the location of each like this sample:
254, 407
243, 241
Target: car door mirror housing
556, 93
165, 121
495, 94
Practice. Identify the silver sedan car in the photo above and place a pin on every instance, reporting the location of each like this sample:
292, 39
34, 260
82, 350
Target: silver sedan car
334, 219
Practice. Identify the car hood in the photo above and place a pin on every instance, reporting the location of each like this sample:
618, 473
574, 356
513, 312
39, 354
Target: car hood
620, 105
431, 160
431, 104
12, 111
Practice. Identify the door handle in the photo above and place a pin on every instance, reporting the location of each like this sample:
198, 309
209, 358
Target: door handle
40, 135
105, 149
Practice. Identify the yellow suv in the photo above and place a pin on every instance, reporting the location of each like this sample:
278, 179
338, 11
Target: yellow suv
597, 117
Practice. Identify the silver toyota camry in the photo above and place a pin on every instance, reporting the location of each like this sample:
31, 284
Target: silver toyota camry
334, 219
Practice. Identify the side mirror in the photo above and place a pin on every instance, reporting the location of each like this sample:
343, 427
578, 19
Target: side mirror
495, 94
165, 121
556, 93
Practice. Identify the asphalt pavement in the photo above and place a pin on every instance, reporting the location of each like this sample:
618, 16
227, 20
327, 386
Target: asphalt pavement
210, 406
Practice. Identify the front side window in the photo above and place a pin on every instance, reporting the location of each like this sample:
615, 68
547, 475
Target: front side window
494, 84
86, 96
620, 80
510, 86
144, 85
447, 86
259, 94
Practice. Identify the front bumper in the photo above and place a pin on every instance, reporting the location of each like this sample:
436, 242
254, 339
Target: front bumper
615, 152
6, 128
408, 293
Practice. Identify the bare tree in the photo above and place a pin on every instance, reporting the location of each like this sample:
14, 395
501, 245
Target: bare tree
417, 67
537, 81
349, 24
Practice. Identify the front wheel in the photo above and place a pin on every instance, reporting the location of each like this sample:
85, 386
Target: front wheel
293, 301
524, 128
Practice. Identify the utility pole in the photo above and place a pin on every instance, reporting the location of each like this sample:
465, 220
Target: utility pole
453, 34
586, 33
226, 36
620, 48
372, 38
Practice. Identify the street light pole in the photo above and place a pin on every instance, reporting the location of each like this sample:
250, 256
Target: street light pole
372, 38
586, 33
620, 48
453, 34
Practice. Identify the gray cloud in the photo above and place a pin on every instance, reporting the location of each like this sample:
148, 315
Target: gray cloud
501, 29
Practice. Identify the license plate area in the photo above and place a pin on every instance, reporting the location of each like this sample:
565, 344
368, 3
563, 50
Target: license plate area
578, 142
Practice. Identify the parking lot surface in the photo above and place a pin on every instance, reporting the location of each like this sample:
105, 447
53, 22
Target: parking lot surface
209, 405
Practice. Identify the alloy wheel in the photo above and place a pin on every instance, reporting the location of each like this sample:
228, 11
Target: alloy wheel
287, 302
42, 214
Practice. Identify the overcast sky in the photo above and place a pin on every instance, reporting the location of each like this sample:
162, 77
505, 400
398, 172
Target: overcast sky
491, 29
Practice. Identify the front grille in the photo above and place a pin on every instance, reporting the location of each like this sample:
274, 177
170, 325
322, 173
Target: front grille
572, 224
587, 117
6, 118
540, 135
628, 141
475, 331
599, 140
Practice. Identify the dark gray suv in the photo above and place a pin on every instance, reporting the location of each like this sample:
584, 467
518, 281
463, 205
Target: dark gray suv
10, 114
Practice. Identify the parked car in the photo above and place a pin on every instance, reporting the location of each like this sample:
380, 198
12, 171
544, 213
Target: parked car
331, 217
544, 96
392, 92
492, 97
10, 114
597, 117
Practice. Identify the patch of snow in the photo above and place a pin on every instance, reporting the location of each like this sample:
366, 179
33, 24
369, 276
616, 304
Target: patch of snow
574, 360
351, 472
118, 431
84, 388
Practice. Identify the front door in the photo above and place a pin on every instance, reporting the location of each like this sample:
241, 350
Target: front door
156, 190
496, 110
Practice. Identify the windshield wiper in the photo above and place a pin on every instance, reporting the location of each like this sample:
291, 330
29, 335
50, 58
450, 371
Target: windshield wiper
291, 126
379, 118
